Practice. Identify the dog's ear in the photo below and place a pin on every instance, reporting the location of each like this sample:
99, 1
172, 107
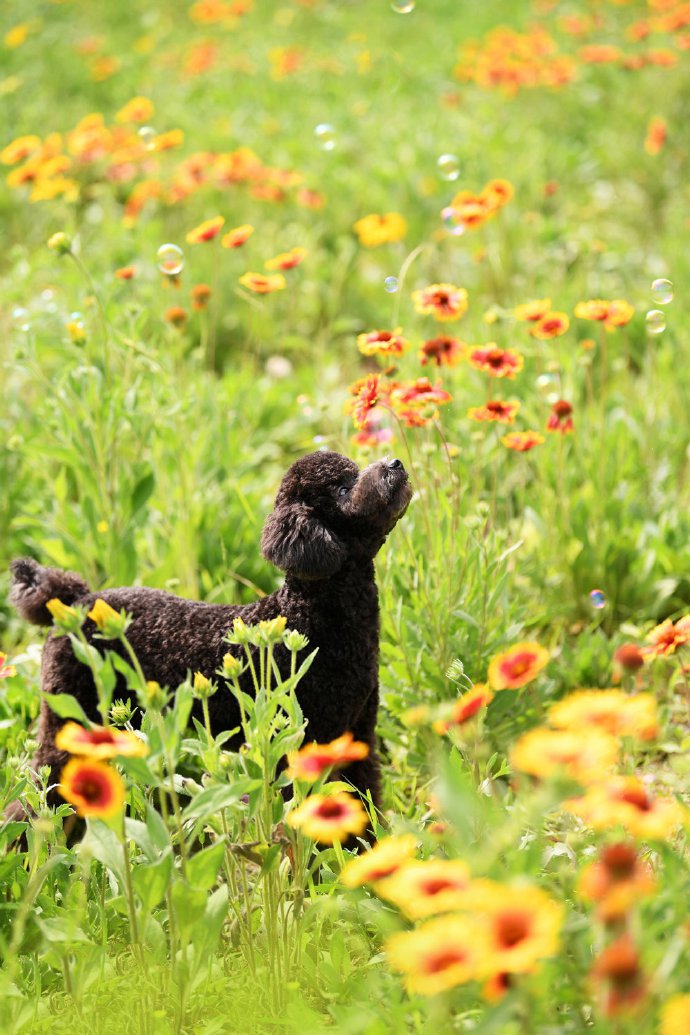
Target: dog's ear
295, 540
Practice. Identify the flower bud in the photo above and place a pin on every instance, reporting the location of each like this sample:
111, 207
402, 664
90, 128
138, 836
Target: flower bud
295, 641
202, 686
68, 619
121, 713
156, 697
271, 631
109, 622
60, 243
232, 667
240, 634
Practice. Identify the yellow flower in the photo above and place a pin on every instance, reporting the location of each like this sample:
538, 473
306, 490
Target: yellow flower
206, 231
521, 924
581, 756
139, 109
65, 617
443, 301
314, 760
60, 243
424, 887
517, 666
93, 788
675, 1016
203, 687
382, 861
107, 620
624, 801
262, 284
374, 229
438, 955
16, 36
19, 150
329, 818
99, 742
609, 710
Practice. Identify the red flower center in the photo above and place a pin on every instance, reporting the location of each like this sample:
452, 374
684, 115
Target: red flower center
330, 809
636, 796
512, 928
443, 960
101, 736
436, 885
93, 790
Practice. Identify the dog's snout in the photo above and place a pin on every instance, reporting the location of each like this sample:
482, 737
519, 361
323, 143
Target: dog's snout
395, 464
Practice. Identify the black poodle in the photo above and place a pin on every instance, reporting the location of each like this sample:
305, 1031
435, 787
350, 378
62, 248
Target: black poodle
329, 522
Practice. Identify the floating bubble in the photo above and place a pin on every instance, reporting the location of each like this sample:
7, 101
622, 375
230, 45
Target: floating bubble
170, 259
325, 136
597, 599
147, 135
391, 285
656, 321
450, 221
448, 166
662, 291
402, 6
21, 319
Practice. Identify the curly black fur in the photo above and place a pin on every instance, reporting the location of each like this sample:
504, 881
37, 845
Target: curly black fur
329, 522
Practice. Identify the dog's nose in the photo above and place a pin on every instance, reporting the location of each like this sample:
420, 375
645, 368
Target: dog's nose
395, 465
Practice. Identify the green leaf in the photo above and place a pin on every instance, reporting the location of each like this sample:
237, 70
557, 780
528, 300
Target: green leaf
188, 905
157, 829
151, 880
142, 491
102, 843
213, 799
202, 870
67, 707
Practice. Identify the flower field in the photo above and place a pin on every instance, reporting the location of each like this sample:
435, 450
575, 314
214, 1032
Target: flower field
239, 231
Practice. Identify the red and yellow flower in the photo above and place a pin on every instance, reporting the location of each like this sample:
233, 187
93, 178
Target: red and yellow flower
374, 229
517, 666
6, 671
425, 887
612, 314
467, 706
238, 236
656, 135
99, 742
546, 753
495, 410
384, 859
613, 711
125, 272
201, 294
444, 351
616, 881
329, 818
95, 789
550, 325
623, 801
367, 392
521, 925
618, 969
314, 760
286, 260
444, 302
522, 441
667, 638
206, 231
532, 311
496, 362
382, 343
560, 418
438, 955
175, 315
263, 284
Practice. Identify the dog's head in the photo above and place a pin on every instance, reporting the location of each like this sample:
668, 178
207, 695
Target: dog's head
328, 511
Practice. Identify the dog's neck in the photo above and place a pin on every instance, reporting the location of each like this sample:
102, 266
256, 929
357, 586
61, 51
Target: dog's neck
356, 573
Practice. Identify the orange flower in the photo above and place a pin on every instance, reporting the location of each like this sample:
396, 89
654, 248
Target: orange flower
546, 753
629, 657
613, 711
522, 441
469, 210
424, 887
623, 801
262, 284
656, 135
175, 315
384, 859
443, 351
286, 260
329, 818
94, 788
532, 311
466, 707
618, 968
6, 671
550, 325
139, 109
206, 231
616, 881
666, 638
382, 343
496, 362
438, 955
236, 237
99, 742
498, 192
495, 410
125, 272
517, 666
560, 418
200, 296
374, 230
620, 313
19, 150
443, 301
521, 925
594, 309
314, 760
367, 392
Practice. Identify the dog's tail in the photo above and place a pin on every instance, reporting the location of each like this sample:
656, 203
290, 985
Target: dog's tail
33, 586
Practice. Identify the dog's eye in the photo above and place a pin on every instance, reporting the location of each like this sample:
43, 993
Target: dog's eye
343, 490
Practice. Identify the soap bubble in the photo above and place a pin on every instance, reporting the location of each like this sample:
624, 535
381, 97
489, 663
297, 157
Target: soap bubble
656, 321
325, 136
597, 599
391, 285
450, 223
170, 259
147, 135
662, 291
448, 166
21, 319
402, 6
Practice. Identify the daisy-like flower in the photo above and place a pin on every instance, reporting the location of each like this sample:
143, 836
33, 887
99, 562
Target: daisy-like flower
595, 309
666, 638
262, 284
19, 150
313, 760
99, 742
521, 925
125, 272
550, 325
616, 881
560, 418
438, 955
6, 671
374, 229
367, 392
384, 859
623, 801
444, 351
466, 707
94, 788
498, 192
238, 236
417, 394
517, 666
444, 302
139, 109
495, 410
286, 260
532, 311
675, 1016
545, 753
619, 971
329, 818
469, 210
382, 343
496, 362
522, 441
620, 313
610, 710
206, 231
425, 887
